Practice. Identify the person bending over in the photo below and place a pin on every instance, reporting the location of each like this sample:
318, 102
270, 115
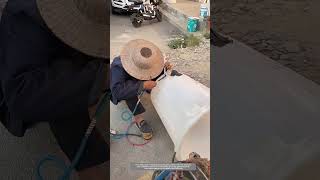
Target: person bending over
136, 70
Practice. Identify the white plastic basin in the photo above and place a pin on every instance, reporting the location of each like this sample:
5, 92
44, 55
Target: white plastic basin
183, 105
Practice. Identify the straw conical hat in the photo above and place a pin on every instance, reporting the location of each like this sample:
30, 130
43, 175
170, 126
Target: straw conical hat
142, 59
81, 24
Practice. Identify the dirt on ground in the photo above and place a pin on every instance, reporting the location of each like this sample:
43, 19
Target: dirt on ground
284, 30
193, 61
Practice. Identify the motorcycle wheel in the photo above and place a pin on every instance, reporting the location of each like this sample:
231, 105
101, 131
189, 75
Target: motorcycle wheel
159, 16
136, 21
113, 11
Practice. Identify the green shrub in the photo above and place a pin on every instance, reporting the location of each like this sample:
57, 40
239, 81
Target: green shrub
192, 41
184, 41
177, 43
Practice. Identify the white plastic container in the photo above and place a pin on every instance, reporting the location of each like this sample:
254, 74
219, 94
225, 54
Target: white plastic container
183, 105
203, 11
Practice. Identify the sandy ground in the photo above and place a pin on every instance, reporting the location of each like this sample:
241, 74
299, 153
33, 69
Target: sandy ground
285, 30
193, 61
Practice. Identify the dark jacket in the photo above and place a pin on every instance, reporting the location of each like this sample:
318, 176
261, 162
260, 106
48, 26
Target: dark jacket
122, 85
41, 78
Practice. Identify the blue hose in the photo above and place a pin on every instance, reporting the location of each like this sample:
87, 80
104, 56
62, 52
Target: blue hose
128, 119
59, 163
163, 175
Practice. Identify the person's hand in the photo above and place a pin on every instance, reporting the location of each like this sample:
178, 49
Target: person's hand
168, 66
148, 85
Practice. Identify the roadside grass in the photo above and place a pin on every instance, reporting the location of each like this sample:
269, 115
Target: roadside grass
184, 41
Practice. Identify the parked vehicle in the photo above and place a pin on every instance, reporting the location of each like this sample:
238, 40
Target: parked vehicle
123, 5
145, 11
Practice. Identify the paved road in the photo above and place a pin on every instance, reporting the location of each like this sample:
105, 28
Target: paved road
266, 118
160, 149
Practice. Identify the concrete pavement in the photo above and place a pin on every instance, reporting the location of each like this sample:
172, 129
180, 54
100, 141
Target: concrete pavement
265, 118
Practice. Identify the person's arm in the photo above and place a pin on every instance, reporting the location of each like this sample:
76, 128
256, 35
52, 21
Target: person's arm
121, 87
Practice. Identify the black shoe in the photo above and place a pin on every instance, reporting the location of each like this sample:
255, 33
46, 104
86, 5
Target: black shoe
146, 129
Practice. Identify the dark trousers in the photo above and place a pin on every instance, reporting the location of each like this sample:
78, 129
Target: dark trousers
132, 104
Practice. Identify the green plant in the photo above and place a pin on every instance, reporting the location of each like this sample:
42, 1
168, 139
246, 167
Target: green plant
192, 41
184, 41
177, 43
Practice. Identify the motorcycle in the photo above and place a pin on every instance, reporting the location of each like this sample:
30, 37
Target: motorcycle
145, 11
